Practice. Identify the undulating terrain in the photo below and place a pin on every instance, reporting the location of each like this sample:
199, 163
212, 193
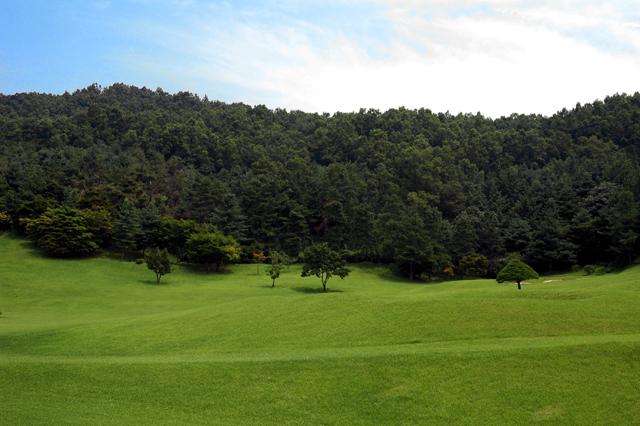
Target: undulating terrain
96, 341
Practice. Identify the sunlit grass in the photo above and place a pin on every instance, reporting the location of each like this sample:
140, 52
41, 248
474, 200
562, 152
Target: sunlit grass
96, 341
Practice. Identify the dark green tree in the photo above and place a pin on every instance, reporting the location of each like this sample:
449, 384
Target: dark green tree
100, 224
127, 228
62, 232
474, 265
516, 271
173, 234
413, 234
323, 262
158, 261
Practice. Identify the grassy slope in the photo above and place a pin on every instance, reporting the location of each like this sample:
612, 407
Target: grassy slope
95, 341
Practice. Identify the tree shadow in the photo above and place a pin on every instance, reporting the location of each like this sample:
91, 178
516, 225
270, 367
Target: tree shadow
390, 276
315, 290
36, 251
269, 286
151, 282
203, 270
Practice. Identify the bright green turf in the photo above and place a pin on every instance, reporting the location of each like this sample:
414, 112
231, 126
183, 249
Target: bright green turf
96, 342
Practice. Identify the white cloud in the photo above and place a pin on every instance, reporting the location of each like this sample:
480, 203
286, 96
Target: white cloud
510, 57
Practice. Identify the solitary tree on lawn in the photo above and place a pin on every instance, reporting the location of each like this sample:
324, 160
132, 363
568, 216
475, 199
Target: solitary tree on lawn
516, 271
323, 262
279, 262
158, 261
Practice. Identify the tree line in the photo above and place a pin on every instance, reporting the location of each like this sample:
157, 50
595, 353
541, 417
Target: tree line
127, 168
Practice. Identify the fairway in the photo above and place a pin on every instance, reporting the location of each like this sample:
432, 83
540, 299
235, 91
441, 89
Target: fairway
96, 341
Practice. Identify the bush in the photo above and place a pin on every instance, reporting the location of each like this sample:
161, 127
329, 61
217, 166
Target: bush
62, 232
211, 248
594, 270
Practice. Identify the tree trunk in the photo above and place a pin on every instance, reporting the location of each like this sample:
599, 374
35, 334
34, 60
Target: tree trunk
157, 278
273, 283
324, 283
411, 271
519, 288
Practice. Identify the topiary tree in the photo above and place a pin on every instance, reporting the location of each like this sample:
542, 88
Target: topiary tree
323, 262
516, 271
158, 261
211, 248
279, 261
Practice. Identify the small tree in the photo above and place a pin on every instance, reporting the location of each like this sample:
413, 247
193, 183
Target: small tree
323, 262
279, 262
258, 257
211, 248
516, 271
158, 261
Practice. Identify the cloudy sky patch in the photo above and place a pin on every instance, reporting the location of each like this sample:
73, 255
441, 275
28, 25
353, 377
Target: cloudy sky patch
495, 56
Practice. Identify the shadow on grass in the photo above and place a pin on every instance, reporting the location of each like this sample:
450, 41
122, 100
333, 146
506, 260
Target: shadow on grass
202, 269
269, 286
152, 282
315, 290
36, 251
390, 276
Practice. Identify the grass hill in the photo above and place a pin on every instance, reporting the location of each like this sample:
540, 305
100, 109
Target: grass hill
96, 341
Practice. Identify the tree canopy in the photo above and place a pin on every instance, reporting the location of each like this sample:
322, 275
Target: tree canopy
323, 262
211, 248
63, 232
411, 187
158, 261
516, 271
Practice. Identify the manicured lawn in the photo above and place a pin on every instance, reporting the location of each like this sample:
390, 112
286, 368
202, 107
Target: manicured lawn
97, 342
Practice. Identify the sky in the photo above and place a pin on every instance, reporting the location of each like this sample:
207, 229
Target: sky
496, 57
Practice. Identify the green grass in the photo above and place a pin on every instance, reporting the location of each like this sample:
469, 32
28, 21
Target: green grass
97, 342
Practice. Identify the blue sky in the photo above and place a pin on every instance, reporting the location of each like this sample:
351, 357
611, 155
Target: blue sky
492, 56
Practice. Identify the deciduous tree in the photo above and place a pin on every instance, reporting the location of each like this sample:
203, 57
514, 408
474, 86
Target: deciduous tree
158, 261
211, 248
323, 262
279, 261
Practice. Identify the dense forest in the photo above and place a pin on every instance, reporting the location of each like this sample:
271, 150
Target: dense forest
432, 193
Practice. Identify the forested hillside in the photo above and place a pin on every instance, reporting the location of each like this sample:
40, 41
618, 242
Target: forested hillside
437, 191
